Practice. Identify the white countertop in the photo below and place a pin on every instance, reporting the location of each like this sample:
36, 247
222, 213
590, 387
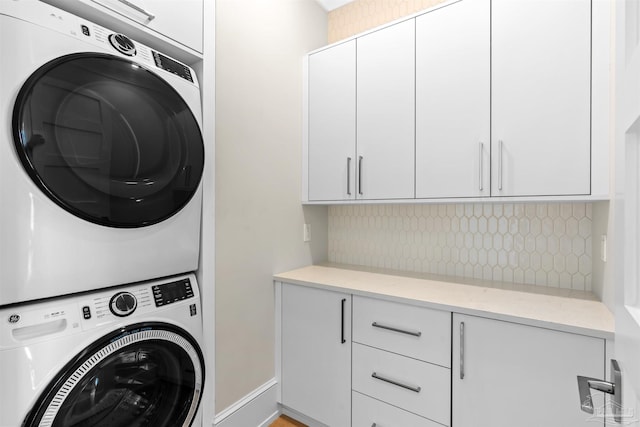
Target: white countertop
559, 309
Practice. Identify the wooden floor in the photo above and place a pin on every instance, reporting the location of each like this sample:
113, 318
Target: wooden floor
285, 421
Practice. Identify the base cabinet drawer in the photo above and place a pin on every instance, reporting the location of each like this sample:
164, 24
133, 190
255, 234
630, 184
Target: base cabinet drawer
417, 332
418, 387
369, 412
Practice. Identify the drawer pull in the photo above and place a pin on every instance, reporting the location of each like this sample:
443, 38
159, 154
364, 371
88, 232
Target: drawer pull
391, 328
387, 380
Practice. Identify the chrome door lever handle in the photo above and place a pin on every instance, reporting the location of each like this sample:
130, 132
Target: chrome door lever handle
585, 384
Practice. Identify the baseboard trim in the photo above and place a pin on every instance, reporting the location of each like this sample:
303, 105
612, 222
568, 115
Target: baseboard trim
259, 408
301, 417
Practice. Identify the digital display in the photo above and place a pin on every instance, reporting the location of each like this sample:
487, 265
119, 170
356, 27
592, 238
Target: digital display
168, 293
172, 66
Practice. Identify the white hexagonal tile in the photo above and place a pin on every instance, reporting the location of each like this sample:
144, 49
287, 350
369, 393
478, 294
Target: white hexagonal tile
579, 210
547, 262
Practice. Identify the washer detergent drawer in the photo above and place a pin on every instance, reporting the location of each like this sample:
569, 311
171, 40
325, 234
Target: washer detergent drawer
418, 387
368, 412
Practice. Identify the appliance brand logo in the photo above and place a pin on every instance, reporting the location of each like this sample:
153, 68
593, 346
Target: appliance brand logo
14, 318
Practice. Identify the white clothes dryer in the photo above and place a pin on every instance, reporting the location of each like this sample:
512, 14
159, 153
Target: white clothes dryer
101, 157
119, 357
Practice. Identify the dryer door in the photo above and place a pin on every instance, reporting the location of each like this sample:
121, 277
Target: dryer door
108, 140
144, 375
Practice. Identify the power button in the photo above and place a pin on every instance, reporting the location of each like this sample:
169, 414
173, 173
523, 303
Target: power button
86, 312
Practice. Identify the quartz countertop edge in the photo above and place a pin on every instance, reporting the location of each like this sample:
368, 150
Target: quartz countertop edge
568, 314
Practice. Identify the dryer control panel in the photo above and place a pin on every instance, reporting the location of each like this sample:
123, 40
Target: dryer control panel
167, 293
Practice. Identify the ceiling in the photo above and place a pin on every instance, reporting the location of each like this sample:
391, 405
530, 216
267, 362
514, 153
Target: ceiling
329, 5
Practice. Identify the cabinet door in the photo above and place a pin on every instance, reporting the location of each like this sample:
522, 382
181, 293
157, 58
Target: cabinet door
332, 123
510, 374
316, 354
541, 61
453, 101
385, 112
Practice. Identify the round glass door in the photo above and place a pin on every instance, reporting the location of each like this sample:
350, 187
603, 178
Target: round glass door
145, 375
108, 140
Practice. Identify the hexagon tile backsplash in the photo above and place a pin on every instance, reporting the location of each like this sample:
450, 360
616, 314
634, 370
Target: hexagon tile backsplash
540, 244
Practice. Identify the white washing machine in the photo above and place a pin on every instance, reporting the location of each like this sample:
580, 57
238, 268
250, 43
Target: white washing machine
120, 357
101, 157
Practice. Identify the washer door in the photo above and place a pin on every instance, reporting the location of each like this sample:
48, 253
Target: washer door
144, 375
108, 140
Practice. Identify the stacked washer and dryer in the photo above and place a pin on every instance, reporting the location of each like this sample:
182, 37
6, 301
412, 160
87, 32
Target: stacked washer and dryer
101, 158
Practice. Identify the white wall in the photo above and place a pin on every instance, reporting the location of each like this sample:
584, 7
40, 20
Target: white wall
259, 217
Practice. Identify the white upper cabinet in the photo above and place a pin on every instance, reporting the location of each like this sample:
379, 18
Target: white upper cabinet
471, 99
385, 113
541, 97
453, 101
332, 123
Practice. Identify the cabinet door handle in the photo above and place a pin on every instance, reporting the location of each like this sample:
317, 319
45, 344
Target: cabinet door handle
461, 350
342, 310
150, 16
360, 175
396, 383
391, 328
480, 174
500, 165
348, 176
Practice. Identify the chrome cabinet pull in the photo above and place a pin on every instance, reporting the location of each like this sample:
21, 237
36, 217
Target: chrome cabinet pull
150, 16
461, 350
342, 305
480, 174
391, 328
348, 176
360, 175
396, 383
500, 165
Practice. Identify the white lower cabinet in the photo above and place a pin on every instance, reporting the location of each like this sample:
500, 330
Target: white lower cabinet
316, 354
368, 412
363, 362
505, 374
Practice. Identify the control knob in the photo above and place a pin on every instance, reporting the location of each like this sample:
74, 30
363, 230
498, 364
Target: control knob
123, 44
123, 304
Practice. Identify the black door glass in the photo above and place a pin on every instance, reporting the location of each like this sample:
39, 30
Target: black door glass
150, 383
108, 140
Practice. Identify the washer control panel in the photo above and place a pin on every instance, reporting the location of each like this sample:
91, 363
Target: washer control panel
123, 304
167, 293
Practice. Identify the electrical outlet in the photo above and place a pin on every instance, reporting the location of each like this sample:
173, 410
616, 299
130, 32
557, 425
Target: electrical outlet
306, 232
603, 248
